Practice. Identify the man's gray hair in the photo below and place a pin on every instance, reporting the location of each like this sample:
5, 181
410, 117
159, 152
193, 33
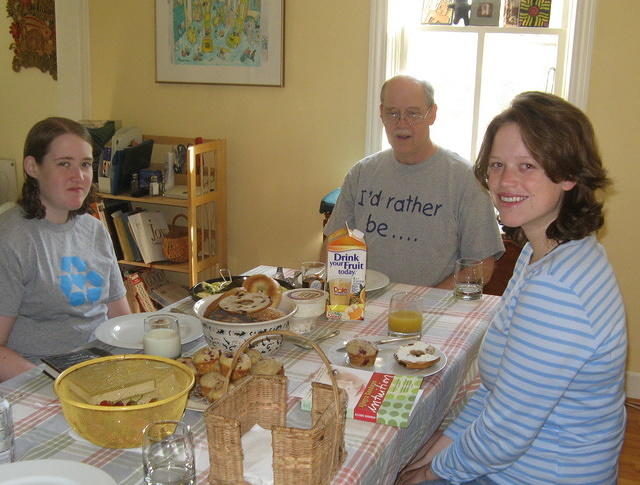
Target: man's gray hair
428, 88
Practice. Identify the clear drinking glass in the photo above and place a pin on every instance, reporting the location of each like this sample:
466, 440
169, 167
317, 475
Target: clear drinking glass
468, 279
313, 274
167, 454
405, 315
162, 336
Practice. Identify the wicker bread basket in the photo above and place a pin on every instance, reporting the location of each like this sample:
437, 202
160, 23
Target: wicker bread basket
175, 245
300, 456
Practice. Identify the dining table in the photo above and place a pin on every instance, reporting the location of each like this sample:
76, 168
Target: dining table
375, 453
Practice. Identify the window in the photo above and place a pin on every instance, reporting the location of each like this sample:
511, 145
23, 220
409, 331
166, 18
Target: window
477, 70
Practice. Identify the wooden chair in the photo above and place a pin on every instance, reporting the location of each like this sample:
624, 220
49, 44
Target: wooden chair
503, 268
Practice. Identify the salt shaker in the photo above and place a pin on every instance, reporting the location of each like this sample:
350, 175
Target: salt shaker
154, 186
6, 432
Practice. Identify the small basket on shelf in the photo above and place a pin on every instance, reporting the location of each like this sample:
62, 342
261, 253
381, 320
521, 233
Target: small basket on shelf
175, 245
300, 455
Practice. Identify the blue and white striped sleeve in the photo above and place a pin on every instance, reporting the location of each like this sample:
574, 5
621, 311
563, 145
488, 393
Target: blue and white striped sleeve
550, 338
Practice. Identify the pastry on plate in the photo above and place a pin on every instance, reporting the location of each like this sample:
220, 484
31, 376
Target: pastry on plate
206, 360
211, 381
361, 352
417, 355
243, 365
268, 367
254, 355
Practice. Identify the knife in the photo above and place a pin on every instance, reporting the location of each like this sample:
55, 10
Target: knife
320, 338
386, 341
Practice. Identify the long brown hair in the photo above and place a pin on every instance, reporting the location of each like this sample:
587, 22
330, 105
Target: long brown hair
37, 145
561, 138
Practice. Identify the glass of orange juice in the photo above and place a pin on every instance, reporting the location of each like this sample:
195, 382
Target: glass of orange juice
405, 315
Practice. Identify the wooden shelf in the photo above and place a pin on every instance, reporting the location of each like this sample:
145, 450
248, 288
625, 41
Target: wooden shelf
147, 199
205, 207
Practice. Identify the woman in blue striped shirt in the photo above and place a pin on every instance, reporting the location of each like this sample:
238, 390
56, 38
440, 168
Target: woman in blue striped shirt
550, 406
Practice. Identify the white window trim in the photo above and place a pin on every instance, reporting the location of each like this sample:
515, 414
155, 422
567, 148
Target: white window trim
380, 54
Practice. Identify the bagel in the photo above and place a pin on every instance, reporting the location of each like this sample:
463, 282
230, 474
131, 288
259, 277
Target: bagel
216, 303
264, 284
244, 303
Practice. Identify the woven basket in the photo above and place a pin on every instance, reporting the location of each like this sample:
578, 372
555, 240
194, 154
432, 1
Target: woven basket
175, 245
305, 456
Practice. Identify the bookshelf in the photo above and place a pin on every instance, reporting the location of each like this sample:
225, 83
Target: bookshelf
205, 206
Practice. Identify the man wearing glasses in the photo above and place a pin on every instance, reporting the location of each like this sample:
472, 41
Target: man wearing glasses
418, 204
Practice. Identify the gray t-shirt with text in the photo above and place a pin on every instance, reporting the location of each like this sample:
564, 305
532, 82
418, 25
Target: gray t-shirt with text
417, 219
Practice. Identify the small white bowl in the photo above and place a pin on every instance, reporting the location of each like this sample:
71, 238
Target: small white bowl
309, 301
230, 336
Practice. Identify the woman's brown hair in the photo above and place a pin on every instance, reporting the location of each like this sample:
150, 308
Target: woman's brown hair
37, 145
560, 137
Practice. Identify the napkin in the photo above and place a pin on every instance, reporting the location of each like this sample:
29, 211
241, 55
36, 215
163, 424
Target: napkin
258, 456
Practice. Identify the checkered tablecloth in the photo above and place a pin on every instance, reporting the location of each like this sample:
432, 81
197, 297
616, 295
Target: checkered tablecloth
375, 452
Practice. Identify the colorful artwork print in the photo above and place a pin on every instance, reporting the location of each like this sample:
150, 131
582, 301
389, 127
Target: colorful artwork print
534, 13
34, 35
218, 33
436, 12
511, 9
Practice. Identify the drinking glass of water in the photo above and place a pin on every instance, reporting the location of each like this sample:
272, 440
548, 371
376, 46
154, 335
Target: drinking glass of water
167, 454
468, 279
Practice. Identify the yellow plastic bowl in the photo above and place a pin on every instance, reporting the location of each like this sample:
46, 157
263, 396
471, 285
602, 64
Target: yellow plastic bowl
121, 426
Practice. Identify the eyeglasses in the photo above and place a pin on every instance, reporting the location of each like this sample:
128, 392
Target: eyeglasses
411, 117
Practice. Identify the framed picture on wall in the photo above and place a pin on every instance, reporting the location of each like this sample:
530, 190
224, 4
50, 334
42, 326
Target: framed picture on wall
436, 12
206, 42
485, 12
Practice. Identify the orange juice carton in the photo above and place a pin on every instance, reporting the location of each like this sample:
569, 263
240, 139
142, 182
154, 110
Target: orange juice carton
346, 271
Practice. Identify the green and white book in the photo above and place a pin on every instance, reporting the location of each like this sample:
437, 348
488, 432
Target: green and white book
372, 396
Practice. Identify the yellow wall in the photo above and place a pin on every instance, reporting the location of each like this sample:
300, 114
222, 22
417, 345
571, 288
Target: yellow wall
614, 108
289, 146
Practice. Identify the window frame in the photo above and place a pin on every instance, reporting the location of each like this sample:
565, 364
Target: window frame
386, 56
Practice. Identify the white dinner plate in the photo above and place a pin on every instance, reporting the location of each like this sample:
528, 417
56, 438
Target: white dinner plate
375, 280
386, 362
127, 331
53, 472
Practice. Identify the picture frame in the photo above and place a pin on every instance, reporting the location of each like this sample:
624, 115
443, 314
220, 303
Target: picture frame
534, 13
436, 12
485, 12
237, 43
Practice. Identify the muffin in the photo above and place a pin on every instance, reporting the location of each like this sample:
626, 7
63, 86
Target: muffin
254, 355
417, 355
268, 367
211, 381
206, 360
361, 352
243, 365
216, 394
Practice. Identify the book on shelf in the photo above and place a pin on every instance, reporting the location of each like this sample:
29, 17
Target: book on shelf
127, 242
111, 206
54, 365
149, 229
372, 396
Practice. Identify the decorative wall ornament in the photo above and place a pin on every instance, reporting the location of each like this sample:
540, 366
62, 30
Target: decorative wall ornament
34, 35
220, 42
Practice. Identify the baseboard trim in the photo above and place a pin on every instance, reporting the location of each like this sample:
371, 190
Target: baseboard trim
633, 385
